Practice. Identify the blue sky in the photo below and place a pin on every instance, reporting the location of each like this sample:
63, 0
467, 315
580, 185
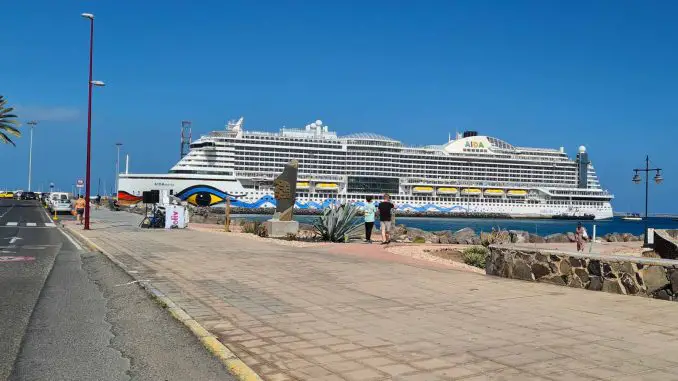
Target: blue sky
534, 73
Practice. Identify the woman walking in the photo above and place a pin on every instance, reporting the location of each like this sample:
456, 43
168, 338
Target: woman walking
579, 235
369, 212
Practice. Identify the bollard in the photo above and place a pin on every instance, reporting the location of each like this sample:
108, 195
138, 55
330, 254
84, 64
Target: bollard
55, 218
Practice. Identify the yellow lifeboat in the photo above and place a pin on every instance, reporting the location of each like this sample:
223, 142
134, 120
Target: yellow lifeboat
447, 190
473, 191
422, 189
302, 185
517, 192
327, 186
494, 192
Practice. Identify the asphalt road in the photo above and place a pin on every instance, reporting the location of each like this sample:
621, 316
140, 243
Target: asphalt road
74, 315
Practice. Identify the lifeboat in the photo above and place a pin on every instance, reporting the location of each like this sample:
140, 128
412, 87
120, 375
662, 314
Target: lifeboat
302, 185
422, 189
471, 191
517, 193
494, 192
327, 186
447, 190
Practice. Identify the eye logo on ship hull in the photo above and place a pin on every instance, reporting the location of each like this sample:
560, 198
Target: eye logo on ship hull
202, 195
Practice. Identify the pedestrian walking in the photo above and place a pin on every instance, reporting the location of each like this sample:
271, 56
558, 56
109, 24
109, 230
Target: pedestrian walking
579, 236
97, 201
385, 216
369, 211
80, 209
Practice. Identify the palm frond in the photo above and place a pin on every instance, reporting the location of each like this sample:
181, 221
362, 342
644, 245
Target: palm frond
5, 139
8, 122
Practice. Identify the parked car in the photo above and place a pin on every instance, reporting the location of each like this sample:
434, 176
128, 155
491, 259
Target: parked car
29, 196
17, 194
60, 202
7, 194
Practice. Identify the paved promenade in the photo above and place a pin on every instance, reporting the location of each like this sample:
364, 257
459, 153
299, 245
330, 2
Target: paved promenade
319, 313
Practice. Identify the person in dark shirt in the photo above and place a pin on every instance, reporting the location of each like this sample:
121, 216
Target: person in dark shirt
385, 217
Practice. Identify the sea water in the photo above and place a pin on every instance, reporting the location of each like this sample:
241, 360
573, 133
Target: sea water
537, 226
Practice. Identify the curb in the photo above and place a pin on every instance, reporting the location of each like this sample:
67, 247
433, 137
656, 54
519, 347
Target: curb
234, 365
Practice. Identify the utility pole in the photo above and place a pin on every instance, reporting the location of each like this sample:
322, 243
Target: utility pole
32, 123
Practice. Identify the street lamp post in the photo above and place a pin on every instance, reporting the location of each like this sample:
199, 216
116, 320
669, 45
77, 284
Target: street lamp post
636, 179
117, 170
32, 123
91, 83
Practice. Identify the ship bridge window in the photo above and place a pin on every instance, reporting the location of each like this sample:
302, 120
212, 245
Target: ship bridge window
202, 144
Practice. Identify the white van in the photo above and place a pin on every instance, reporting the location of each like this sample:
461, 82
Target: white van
60, 202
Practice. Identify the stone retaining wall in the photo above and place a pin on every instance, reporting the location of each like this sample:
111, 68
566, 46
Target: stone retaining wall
649, 277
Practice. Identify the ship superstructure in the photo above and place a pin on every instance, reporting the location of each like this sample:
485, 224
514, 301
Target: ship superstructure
468, 174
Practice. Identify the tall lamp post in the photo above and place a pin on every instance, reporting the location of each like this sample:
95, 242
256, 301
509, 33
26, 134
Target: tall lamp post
91, 83
32, 123
657, 179
117, 170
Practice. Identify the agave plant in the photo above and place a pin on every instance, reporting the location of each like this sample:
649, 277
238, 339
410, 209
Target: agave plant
337, 224
8, 122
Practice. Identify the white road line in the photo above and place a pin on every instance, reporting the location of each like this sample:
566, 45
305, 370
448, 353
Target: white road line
10, 208
50, 224
76, 244
12, 224
31, 224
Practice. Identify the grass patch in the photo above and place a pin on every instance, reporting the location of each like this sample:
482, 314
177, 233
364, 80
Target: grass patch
419, 240
475, 256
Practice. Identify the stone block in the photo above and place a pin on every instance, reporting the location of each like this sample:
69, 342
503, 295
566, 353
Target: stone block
674, 281
556, 279
277, 228
583, 275
575, 282
540, 270
613, 286
654, 278
576, 262
565, 267
596, 283
629, 284
522, 271
594, 268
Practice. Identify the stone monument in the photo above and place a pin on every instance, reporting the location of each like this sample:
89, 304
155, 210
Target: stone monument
285, 190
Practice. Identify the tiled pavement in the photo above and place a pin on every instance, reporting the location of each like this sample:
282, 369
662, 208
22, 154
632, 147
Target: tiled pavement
313, 314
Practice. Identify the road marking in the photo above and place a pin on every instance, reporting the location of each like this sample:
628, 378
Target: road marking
12, 223
31, 224
10, 208
14, 239
76, 244
50, 224
16, 259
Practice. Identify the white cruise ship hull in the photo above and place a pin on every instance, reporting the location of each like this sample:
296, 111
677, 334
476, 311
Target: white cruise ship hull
472, 174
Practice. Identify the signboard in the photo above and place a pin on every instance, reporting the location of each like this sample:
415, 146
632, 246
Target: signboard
80, 183
175, 217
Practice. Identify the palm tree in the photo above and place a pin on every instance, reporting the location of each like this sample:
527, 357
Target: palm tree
8, 123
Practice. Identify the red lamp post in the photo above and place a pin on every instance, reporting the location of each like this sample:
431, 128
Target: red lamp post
89, 116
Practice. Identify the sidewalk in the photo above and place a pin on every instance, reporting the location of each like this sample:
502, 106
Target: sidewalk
318, 313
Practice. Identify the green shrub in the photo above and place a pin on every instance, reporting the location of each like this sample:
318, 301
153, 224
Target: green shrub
338, 224
419, 240
475, 256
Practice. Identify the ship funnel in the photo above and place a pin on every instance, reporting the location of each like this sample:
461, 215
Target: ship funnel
468, 134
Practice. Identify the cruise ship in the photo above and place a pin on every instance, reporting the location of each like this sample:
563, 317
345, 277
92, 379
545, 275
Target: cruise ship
468, 174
